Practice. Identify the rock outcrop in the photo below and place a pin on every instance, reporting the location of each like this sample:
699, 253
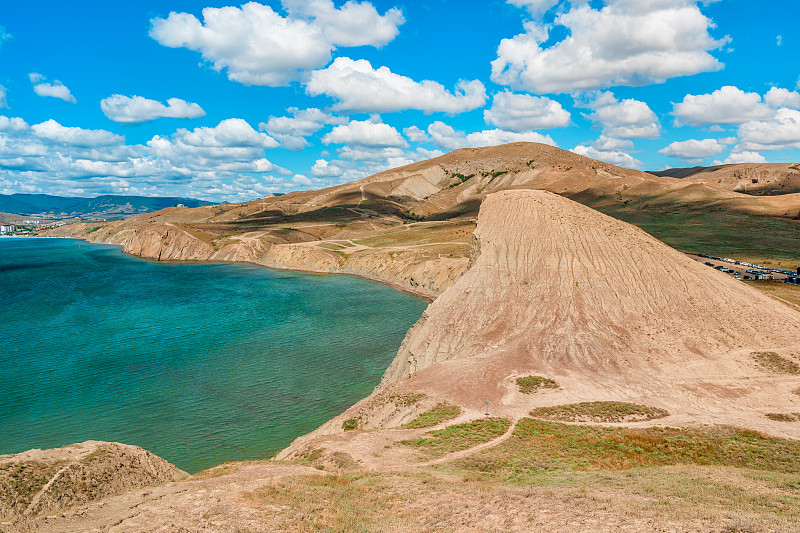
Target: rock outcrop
47, 482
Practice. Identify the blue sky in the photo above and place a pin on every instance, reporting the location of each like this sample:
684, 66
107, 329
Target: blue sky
228, 102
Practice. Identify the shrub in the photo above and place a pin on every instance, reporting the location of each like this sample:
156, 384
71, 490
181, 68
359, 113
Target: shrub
531, 384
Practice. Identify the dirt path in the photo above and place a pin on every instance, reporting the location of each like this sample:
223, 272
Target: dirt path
469, 451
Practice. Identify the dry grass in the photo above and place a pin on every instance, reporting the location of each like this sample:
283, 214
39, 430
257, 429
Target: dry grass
784, 417
680, 499
772, 362
538, 447
441, 413
460, 436
783, 292
531, 384
599, 412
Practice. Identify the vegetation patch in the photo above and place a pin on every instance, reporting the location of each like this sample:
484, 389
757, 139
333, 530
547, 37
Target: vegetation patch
309, 456
772, 362
350, 424
539, 446
531, 384
441, 413
784, 417
600, 412
460, 436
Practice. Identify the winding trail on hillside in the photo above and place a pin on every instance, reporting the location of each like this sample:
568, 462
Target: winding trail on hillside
475, 449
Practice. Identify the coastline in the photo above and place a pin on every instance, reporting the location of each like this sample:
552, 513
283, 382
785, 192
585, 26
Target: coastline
422, 295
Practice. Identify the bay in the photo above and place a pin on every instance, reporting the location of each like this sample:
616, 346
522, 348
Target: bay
199, 363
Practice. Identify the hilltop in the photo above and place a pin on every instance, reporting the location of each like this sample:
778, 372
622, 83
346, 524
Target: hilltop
759, 179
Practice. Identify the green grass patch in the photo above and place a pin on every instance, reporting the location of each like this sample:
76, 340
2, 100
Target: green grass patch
531, 384
539, 446
599, 412
441, 413
460, 436
772, 362
710, 230
350, 424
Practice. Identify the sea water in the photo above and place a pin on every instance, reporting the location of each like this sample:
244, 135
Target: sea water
199, 363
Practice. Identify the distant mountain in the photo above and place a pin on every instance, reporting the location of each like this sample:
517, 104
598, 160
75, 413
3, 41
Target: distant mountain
107, 206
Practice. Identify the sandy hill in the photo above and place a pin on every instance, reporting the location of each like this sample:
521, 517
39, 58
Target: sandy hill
748, 178
558, 290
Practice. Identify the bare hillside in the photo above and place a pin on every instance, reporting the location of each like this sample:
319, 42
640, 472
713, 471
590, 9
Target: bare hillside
760, 179
558, 290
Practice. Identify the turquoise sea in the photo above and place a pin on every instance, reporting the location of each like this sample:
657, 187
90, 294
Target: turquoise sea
199, 363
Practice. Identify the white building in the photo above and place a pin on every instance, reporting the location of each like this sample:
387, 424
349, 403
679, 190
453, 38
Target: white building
7, 229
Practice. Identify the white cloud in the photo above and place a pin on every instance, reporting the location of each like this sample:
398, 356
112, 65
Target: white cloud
777, 97
611, 144
626, 119
54, 132
366, 133
258, 46
3, 98
535, 7
205, 162
728, 105
742, 157
137, 109
780, 40
55, 89
522, 112
627, 42
447, 137
693, 150
780, 132
292, 131
360, 88
415, 134
615, 157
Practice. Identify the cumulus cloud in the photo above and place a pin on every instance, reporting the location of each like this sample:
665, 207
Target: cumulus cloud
535, 7
626, 42
360, 88
447, 137
611, 144
728, 105
292, 131
55, 89
258, 46
365, 133
613, 156
780, 132
742, 157
415, 134
225, 162
55, 132
137, 109
626, 119
693, 150
777, 97
523, 112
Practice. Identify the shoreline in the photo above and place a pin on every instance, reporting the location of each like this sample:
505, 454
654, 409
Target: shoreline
417, 294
